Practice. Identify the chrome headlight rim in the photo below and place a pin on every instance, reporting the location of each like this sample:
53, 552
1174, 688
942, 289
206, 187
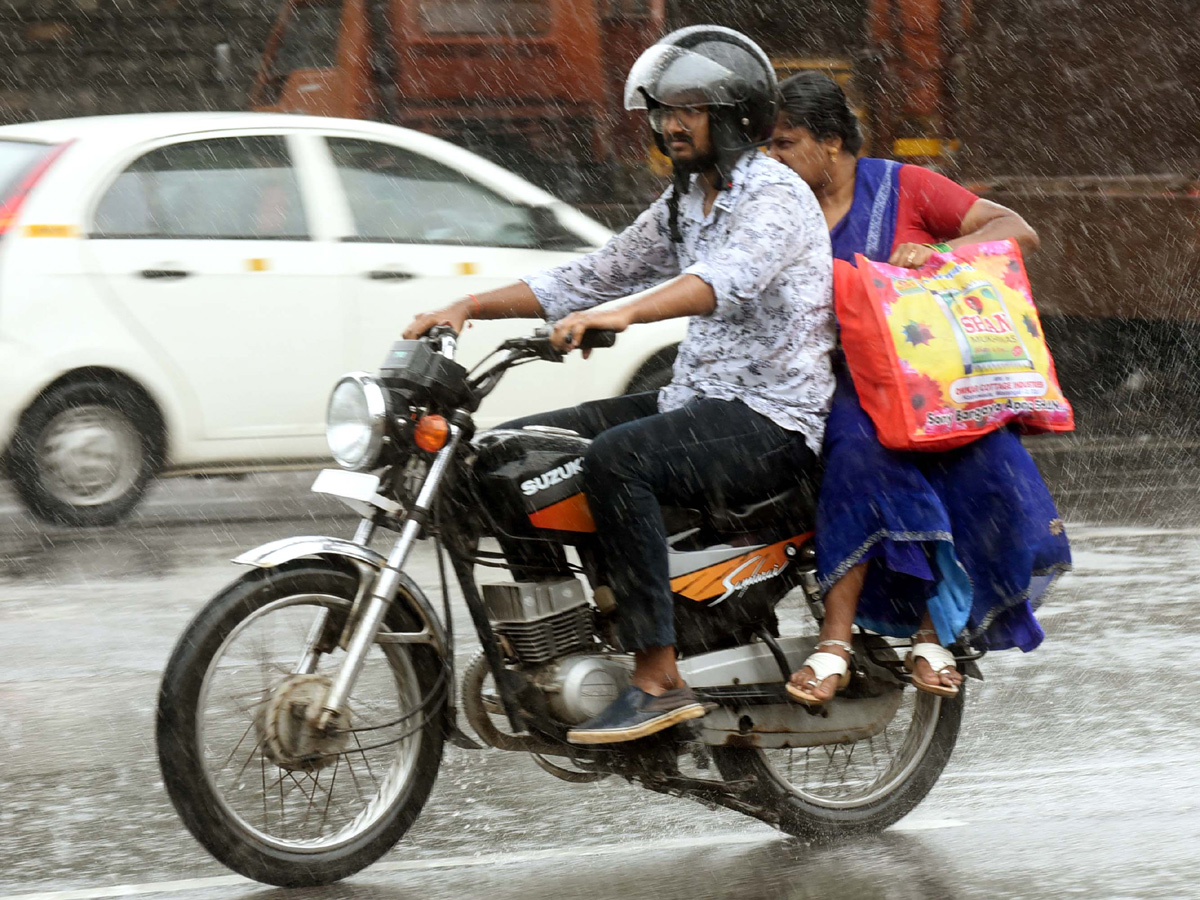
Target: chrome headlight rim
377, 417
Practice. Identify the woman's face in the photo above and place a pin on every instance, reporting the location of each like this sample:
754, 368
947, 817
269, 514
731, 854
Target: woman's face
797, 149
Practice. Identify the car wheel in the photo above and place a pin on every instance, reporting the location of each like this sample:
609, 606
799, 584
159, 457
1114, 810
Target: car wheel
84, 453
655, 373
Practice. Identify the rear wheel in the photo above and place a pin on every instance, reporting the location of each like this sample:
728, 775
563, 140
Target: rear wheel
268, 796
840, 790
84, 453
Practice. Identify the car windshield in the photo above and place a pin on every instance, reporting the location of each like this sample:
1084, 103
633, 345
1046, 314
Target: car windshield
17, 159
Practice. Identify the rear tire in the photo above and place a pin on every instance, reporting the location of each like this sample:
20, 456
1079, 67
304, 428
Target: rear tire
216, 818
85, 452
807, 814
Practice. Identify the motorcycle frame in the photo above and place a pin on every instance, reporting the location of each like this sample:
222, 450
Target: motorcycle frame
382, 578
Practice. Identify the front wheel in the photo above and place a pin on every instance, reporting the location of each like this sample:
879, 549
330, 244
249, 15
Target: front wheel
265, 794
840, 790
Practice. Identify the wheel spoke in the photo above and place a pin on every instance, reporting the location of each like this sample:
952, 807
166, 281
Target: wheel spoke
234, 751
303, 798
856, 773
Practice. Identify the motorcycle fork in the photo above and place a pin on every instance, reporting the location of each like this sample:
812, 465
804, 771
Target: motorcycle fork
387, 584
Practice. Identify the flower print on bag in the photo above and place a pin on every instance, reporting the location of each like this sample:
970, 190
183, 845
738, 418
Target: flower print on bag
924, 394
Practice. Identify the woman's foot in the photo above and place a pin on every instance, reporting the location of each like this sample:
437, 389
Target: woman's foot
932, 666
823, 674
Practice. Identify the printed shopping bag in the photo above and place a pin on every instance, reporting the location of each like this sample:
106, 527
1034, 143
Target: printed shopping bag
949, 352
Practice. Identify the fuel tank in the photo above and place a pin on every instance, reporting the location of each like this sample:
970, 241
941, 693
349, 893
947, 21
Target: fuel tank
532, 482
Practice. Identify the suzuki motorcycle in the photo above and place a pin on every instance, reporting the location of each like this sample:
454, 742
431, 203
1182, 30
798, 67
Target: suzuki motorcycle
304, 712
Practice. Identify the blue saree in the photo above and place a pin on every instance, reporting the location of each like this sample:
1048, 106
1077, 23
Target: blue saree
971, 533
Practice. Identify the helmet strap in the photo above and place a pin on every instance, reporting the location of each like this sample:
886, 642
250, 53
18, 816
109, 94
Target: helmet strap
680, 184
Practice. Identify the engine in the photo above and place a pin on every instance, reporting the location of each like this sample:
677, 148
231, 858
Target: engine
547, 627
539, 621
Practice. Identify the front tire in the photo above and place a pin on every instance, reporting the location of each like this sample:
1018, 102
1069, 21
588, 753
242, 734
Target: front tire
828, 793
260, 812
84, 453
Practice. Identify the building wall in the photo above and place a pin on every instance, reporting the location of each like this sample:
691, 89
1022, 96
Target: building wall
1068, 87
84, 57
1053, 87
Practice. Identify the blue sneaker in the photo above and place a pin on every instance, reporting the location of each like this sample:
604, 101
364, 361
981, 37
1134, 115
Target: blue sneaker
636, 714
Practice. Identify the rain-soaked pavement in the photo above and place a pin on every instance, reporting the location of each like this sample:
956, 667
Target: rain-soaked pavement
1076, 772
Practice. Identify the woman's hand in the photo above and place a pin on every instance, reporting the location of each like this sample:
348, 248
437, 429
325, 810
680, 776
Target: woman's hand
455, 315
910, 256
568, 331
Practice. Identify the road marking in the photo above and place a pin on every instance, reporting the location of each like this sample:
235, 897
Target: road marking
416, 865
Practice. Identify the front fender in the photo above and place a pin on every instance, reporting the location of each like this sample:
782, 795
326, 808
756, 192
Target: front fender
283, 551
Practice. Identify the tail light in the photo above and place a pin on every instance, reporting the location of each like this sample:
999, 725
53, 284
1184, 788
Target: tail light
10, 205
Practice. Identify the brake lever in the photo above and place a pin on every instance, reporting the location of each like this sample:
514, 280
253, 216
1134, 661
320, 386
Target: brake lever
539, 345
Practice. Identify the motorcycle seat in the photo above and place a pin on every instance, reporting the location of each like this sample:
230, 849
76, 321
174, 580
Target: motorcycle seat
795, 507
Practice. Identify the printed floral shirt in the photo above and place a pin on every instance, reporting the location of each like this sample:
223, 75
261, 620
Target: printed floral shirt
764, 248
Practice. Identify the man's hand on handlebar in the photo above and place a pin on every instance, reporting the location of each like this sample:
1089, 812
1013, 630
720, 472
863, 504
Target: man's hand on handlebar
568, 331
455, 315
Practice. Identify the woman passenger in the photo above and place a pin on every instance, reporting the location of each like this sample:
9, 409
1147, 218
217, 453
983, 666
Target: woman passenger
958, 546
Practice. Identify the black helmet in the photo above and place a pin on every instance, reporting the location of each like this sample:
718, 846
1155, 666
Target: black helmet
707, 65
715, 67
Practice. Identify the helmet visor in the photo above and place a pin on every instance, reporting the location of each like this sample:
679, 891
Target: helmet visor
673, 76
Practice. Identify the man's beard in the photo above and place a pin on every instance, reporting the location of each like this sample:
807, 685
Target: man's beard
697, 163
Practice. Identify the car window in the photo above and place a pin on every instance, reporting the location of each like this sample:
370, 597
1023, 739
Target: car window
400, 196
17, 160
231, 188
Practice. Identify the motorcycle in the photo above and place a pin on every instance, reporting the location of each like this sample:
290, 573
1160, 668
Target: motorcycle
303, 714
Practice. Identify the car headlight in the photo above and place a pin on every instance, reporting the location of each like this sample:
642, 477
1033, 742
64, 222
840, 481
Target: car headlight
356, 420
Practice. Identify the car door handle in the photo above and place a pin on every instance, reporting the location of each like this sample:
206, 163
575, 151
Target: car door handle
164, 274
389, 275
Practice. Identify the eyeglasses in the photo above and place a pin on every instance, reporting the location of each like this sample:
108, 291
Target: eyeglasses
681, 114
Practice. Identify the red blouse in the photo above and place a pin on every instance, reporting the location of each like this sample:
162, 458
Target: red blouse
931, 207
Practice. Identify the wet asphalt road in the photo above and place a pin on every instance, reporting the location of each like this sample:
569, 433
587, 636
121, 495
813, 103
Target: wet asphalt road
1077, 772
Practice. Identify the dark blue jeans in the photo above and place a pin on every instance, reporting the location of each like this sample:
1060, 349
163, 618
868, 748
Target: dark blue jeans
710, 453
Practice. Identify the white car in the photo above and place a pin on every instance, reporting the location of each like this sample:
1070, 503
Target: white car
179, 292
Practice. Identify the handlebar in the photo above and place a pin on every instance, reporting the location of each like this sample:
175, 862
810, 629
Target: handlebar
446, 339
596, 338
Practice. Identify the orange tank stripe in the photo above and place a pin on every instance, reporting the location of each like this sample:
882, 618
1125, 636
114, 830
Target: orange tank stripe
571, 514
709, 582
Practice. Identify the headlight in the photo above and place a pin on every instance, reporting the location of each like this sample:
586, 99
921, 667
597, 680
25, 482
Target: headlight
355, 422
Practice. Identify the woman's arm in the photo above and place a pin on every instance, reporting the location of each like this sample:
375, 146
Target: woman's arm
988, 221
956, 216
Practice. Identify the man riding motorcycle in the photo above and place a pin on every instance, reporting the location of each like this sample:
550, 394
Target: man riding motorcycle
739, 245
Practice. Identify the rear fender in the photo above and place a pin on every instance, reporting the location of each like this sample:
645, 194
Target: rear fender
366, 562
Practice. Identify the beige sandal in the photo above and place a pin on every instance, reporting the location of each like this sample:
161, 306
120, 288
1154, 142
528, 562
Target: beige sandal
939, 658
823, 665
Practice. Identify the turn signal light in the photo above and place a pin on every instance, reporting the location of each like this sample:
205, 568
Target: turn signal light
431, 433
